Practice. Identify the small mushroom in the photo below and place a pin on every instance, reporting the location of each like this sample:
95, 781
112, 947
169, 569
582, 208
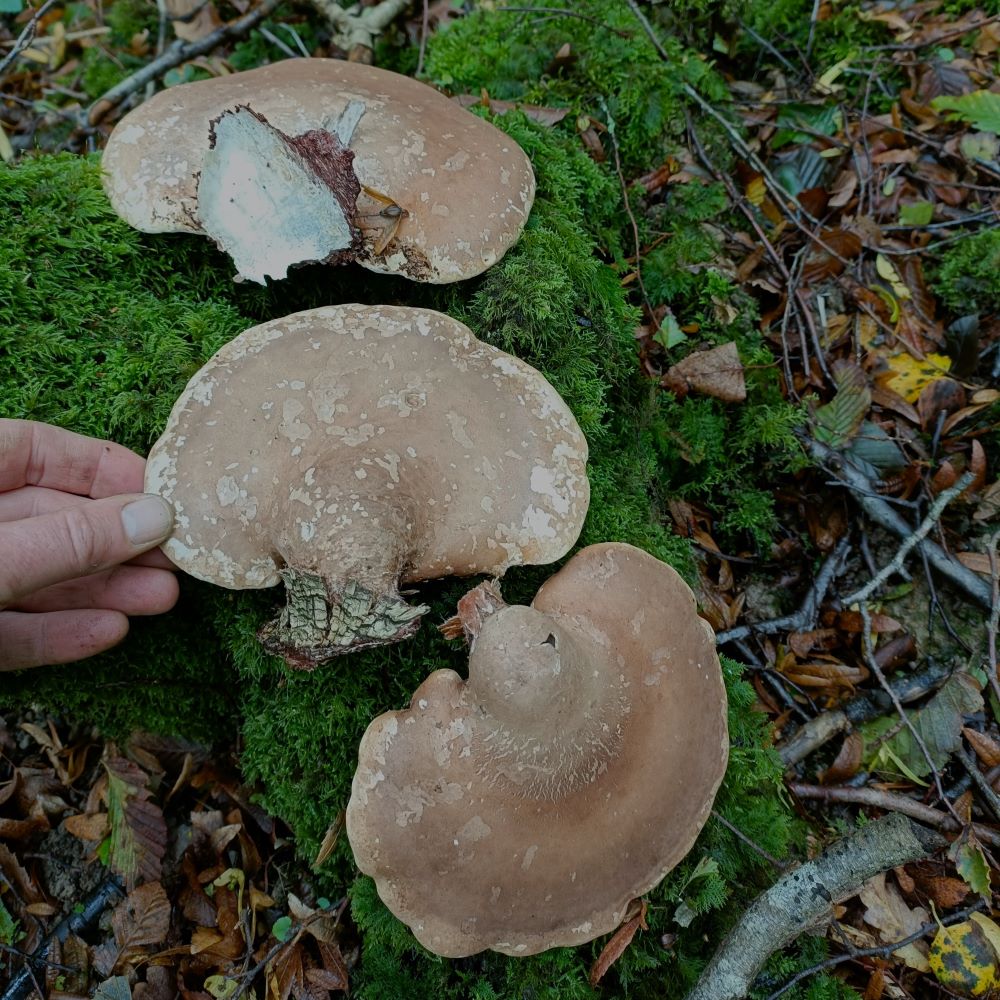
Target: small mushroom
524, 808
322, 160
347, 449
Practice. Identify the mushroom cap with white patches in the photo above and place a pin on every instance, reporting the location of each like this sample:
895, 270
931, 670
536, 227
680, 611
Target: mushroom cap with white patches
360, 443
566, 777
465, 186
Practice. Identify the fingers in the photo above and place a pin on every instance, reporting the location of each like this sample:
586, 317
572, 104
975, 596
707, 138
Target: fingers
32, 501
131, 589
78, 541
33, 454
28, 640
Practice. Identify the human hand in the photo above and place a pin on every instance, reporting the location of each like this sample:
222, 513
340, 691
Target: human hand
72, 534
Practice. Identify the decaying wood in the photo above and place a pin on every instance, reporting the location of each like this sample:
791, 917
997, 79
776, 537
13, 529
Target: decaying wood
805, 896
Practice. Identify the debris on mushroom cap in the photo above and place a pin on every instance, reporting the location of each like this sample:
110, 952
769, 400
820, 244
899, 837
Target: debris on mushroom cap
524, 808
349, 448
443, 194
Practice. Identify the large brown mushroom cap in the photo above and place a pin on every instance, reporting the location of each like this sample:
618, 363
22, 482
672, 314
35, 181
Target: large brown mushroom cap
465, 187
523, 809
351, 447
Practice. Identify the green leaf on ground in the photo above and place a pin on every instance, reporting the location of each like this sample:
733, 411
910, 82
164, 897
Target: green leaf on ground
972, 866
939, 726
918, 213
981, 109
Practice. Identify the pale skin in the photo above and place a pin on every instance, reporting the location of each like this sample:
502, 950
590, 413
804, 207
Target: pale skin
77, 545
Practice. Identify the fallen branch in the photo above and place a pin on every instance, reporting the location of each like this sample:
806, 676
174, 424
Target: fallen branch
870, 705
891, 802
356, 32
804, 896
178, 52
882, 514
805, 617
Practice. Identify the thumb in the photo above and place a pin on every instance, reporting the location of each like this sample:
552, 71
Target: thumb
36, 552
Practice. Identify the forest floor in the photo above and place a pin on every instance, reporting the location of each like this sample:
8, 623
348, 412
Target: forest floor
861, 199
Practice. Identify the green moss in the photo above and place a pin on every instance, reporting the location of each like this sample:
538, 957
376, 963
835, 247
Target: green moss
968, 278
513, 56
100, 327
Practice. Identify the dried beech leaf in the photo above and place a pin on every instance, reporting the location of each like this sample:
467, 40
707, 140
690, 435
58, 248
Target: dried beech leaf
717, 373
87, 827
138, 830
616, 946
986, 748
887, 912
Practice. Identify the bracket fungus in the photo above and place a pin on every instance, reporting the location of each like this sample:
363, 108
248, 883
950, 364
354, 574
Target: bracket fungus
321, 160
349, 448
525, 808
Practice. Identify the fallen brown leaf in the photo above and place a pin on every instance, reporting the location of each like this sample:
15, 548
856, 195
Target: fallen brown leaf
617, 944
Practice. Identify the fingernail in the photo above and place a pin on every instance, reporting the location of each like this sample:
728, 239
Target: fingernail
147, 520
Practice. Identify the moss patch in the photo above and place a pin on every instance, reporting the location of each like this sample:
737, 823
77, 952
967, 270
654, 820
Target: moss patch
100, 327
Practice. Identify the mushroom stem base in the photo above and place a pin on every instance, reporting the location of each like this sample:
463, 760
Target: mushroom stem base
321, 621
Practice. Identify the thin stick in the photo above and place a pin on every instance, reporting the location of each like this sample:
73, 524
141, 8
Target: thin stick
26, 37
177, 53
740, 835
424, 27
880, 512
923, 530
805, 617
565, 12
886, 949
891, 802
876, 669
979, 779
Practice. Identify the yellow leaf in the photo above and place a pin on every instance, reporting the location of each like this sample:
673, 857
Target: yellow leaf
756, 191
825, 84
910, 377
964, 957
887, 271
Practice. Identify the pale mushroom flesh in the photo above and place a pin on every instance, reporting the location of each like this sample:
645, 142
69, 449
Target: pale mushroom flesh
523, 809
254, 160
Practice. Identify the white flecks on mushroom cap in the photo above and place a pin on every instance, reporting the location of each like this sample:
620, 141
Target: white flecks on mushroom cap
558, 783
465, 186
369, 444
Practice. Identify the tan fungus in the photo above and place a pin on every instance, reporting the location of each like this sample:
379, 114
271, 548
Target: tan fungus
524, 808
350, 448
439, 194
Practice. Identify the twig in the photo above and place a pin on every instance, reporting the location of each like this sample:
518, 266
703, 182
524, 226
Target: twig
885, 949
891, 802
424, 28
27, 35
923, 530
805, 617
876, 669
870, 705
753, 845
979, 779
801, 897
994, 622
880, 512
177, 53
565, 12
